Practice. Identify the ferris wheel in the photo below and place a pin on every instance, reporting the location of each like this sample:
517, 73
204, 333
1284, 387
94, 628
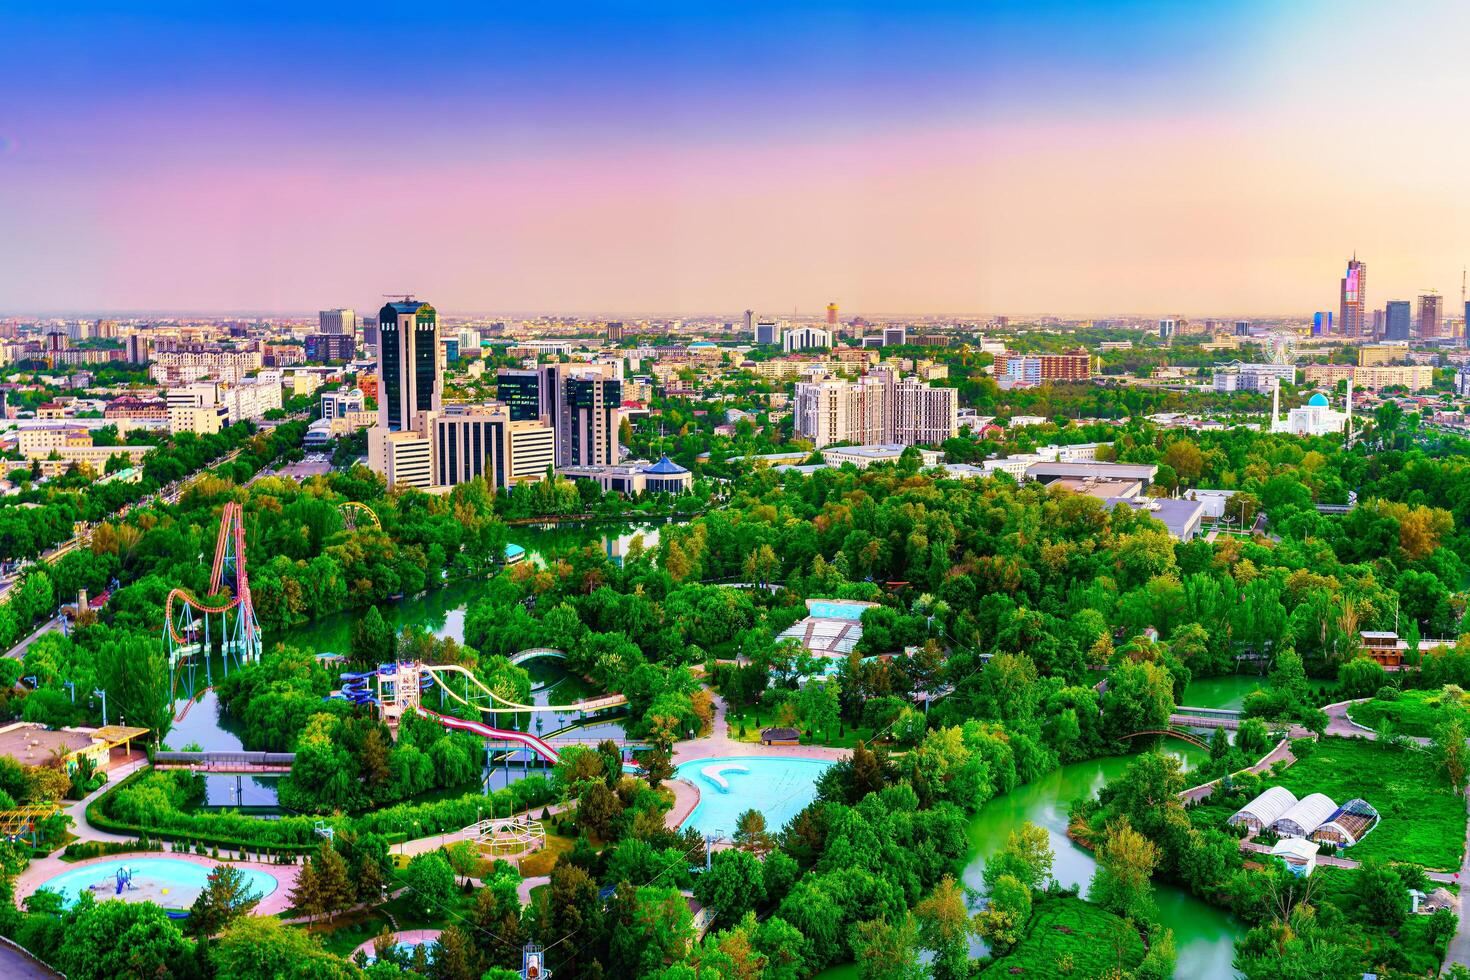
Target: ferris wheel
356, 515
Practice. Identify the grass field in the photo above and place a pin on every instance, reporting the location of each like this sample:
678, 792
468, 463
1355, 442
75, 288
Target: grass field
1416, 713
1069, 930
1422, 821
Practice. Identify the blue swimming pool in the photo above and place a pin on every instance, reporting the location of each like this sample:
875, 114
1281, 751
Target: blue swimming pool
169, 882
778, 786
832, 609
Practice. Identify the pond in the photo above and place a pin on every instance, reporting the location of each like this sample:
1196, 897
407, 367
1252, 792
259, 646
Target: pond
1204, 935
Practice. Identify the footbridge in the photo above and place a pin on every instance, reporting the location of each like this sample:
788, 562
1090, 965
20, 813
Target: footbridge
516, 659
238, 763
1183, 736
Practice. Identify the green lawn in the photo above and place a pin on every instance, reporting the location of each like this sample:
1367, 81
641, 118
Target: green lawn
1422, 821
1416, 713
1063, 930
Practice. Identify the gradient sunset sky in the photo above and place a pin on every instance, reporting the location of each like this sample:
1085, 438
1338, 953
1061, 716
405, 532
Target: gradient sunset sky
1027, 157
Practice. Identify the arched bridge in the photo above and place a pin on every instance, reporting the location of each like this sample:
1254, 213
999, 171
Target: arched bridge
1170, 733
516, 659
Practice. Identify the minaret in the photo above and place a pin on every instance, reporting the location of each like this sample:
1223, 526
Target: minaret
1350, 410
1275, 405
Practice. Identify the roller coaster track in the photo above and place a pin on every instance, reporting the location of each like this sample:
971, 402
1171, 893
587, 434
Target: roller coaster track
240, 638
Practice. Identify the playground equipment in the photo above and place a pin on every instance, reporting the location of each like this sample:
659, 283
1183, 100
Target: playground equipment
355, 515
510, 837
193, 627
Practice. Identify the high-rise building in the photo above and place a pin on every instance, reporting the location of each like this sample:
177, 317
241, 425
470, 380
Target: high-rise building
521, 393
324, 347
1167, 330
750, 324
876, 408
136, 346
593, 405
338, 321
408, 364
1322, 323
1467, 323
831, 314
895, 336
615, 330
1431, 316
1354, 298
1396, 322
768, 333
1038, 368
806, 338
487, 442
1242, 328
1380, 321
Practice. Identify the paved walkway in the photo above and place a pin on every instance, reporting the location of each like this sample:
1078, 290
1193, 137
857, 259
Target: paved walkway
19, 650
1281, 752
16, 963
78, 811
1341, 726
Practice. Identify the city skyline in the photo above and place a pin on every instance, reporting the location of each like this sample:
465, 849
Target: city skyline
1068, 159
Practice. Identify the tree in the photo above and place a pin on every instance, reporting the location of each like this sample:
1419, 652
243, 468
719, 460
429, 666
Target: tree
886, 950
1125, 865
1027, 857
1139, 698
455, 958
733, 885
430, 880
373, 640
116, 940
224, 899
1449, 747
751, 833
258, 946
944, 929
598, 811
658, 765
1004, 917
333, 884
1382, 898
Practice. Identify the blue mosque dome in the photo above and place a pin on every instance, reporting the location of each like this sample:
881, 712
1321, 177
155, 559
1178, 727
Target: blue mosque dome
1318, 400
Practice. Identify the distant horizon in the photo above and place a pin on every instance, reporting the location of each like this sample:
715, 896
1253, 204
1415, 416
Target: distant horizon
1016, 319
1078, 155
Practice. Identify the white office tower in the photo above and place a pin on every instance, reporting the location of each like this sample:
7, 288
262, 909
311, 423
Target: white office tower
806, 338
338, 322
895, 336
767, 333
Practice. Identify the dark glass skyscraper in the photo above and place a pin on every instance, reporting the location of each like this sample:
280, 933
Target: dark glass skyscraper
1396, 320
408, 363
521, 393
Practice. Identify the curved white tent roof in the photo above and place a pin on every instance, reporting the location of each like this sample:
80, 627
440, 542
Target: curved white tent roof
1266, 808
1309, 813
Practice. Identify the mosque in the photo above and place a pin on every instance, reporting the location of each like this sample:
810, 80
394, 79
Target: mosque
1316, 418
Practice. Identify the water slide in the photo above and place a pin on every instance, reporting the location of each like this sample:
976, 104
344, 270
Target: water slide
497, 734
432, 671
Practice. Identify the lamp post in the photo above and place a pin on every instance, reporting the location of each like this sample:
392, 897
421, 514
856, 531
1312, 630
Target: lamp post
99, 692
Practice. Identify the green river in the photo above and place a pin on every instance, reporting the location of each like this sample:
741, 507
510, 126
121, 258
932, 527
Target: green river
1204, 935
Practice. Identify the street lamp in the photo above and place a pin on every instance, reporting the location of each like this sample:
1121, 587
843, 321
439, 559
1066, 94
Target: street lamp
103, 695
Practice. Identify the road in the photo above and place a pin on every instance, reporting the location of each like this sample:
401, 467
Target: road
50, 626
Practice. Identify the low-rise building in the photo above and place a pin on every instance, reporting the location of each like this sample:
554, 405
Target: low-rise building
630, 479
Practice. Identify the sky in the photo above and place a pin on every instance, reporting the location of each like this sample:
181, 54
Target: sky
1083, 159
